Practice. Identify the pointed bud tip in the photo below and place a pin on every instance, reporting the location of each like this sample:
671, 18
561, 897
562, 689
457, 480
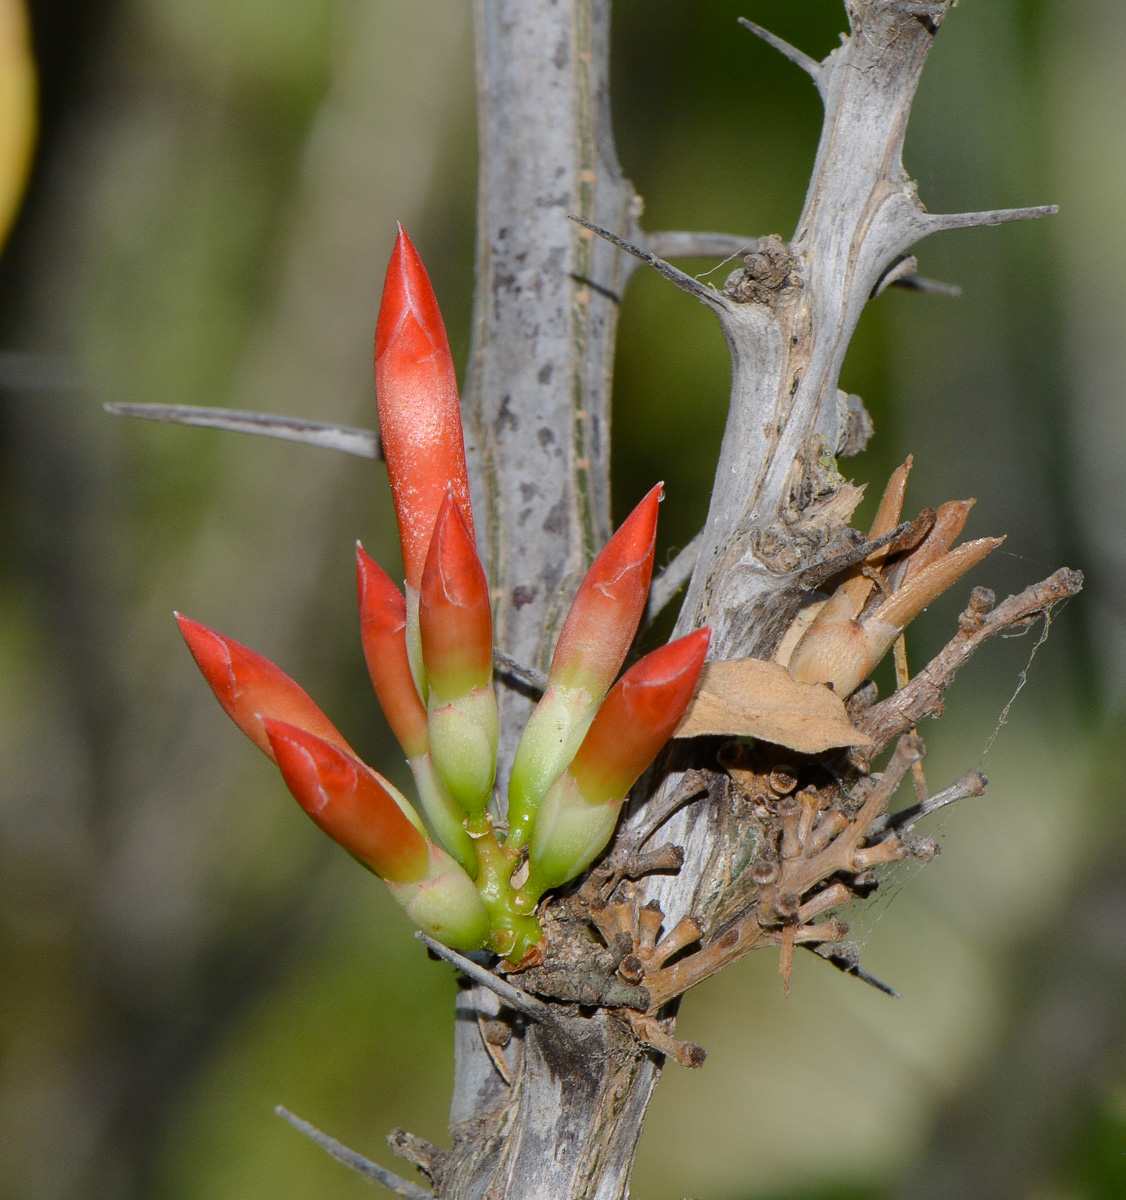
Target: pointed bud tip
246, 683
607, 609
455, 609
407, 291
282, 733
212, 652
354, 805
673, 659
453, 563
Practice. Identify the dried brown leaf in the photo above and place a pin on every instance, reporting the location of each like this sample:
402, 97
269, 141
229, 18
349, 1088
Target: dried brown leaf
747, 697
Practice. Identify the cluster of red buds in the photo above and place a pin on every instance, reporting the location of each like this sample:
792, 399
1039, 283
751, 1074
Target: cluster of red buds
468, 876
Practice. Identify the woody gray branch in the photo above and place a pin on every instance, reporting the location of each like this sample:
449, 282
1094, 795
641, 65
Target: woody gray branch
789, 320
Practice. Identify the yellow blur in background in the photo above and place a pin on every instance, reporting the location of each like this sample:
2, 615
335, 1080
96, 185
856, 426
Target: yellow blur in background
17, 110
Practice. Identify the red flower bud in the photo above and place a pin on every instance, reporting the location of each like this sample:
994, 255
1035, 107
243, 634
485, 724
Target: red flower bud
607, 608
454, 614
637, 718
383, 630
419, 414
250, 687
350, 802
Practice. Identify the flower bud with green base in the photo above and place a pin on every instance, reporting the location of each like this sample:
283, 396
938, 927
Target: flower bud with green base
455, 622
419, 414
366, 815
383, 631
445, 818
383, 625
593, 644
250, 687
463, 747
445, 904
580, 810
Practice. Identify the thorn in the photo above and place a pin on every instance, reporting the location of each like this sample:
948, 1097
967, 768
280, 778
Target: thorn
939, 222
361, 442
846, 961
934, 287
809, 65
507, 665
513, 996
359, 1164
693, 287
903, 267
673, 243
901, 274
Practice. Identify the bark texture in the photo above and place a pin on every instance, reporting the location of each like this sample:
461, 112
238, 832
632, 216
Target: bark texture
538, 441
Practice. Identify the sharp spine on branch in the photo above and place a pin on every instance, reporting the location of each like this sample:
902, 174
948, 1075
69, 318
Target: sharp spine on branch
328, 436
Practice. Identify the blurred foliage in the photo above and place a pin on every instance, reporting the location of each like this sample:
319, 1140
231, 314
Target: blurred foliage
179, 951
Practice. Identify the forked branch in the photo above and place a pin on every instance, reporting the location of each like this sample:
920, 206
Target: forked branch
923, 696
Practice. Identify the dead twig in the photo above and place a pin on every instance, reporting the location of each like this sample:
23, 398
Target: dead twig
923, 696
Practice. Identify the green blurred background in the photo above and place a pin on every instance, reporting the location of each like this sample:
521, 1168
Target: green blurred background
212, 205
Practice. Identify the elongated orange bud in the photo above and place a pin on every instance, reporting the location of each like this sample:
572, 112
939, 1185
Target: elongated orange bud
592, 646
419, 414
607, 608
454, 614
580, 810
250, 687
637, 718
383, 630
350, 802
